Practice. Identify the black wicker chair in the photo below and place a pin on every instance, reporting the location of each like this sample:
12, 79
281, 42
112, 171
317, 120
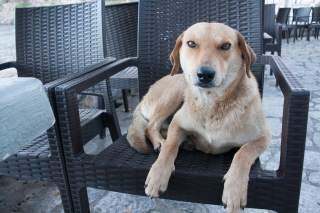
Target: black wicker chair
300, 22
121, 40
55, 44
282, 19
273, 29
198, 176
315, 23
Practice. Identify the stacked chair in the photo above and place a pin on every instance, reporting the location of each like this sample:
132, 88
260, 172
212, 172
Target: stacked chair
198, 176
57, 44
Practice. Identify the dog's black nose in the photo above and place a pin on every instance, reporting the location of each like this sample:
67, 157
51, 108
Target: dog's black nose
205, 74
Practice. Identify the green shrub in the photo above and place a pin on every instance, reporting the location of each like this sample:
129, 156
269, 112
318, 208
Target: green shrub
23, 5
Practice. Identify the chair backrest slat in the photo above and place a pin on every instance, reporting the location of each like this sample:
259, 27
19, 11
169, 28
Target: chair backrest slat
121, 30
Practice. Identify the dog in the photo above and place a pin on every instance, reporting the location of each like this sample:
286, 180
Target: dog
214, 106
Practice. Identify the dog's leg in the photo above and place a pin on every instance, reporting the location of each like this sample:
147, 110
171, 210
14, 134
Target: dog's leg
160, 172
234, 196
136, 132
153, 130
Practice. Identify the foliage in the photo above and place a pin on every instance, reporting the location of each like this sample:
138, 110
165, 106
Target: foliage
23, 5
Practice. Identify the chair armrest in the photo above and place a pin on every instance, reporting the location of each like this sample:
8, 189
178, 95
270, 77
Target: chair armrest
66, 102
294, 119
49, 87
7, 65
86, 70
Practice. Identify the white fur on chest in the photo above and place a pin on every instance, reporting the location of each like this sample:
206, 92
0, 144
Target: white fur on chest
216, 135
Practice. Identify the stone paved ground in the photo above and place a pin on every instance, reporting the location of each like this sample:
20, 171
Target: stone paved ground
302, 57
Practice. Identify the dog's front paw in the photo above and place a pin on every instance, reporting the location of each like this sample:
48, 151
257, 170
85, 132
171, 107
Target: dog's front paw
158, 178
234, 196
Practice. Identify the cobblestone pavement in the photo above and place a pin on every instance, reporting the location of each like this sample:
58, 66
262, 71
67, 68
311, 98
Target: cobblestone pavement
302, 57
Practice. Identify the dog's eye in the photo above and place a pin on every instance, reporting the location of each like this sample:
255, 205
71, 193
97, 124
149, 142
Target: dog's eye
191, 44
226, 46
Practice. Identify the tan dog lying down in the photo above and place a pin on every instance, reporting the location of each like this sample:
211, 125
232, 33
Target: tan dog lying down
214, 106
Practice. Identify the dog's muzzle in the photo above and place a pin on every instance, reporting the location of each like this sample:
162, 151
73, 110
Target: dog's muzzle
205, 76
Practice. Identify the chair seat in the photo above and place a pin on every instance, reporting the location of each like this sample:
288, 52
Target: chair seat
195, 172
126, 79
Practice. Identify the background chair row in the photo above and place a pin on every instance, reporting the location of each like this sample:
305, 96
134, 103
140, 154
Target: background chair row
120, 168
300, 21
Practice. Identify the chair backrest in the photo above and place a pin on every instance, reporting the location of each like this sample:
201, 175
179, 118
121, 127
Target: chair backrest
121, 30
161, 24
55, 41
303, 14
294, 14
315, 15
269, 19
283, 14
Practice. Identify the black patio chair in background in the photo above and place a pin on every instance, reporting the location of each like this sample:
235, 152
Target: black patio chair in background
300, 21
121, 42
273, 29
56, 44
315, 23
282, 19
198, 176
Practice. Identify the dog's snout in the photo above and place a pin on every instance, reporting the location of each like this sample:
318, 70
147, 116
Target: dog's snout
205, 74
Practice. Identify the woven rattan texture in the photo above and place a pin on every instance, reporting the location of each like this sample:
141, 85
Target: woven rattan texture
121, 41
50, 46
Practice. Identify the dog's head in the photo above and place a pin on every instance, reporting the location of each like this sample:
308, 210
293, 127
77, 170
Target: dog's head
210, 54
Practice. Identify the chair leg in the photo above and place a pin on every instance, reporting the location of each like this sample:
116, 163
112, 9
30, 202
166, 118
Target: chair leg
65, 198
125, 100
103, 134
80, 200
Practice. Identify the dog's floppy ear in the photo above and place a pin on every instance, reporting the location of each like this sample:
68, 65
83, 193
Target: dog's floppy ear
247, 53
174, 56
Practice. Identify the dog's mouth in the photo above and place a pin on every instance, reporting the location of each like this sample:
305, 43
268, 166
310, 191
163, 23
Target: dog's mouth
205, 85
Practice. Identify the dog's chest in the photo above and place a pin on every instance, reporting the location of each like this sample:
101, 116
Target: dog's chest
217, 129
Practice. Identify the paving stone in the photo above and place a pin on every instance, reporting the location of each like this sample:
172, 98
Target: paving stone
118, 202
309, 199
316, 139
314, 178
275, 126
315, 115
311, 160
